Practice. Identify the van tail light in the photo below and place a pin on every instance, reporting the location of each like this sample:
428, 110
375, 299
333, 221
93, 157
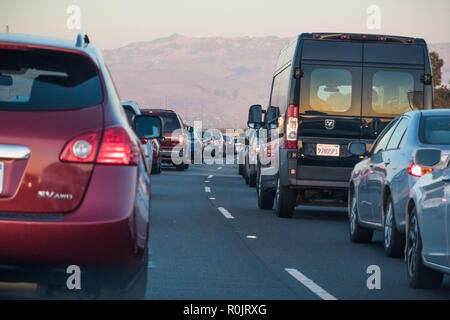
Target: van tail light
418, 170
82, 148
268, 151
180, 138
118, 148
291, 131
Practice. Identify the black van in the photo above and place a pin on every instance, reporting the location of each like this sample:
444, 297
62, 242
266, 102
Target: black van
329, 90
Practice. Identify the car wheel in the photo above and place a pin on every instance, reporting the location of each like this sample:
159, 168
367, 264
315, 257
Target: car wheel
156, 167
186, 166
394, 241
285, 199
180, 167
265, 197
241, 169
252, 180
357, 233
419, 276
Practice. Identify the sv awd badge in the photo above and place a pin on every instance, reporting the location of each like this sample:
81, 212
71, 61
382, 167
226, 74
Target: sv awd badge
53, 195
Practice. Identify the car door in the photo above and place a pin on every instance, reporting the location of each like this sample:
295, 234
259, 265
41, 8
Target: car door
376, 175
433, 224
446, 180
397, 157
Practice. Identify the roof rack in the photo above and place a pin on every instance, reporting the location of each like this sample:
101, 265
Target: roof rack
82, 40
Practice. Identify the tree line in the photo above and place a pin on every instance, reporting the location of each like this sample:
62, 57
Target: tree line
441, 91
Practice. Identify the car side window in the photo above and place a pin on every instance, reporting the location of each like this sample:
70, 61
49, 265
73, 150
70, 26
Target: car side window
399, 133
130, 115
383, 139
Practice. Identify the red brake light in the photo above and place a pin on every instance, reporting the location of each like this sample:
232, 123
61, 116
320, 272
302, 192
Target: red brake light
345, 37
118, 148
291, 130
82, 148
180, 138
418, 171
382, 38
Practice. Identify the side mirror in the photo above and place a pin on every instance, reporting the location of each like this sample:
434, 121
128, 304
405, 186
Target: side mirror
427, 157
272, 115
190, 129
148, 127
255, 116
357, 148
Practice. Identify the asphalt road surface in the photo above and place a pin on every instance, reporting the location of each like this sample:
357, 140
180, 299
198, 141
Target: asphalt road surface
209, 240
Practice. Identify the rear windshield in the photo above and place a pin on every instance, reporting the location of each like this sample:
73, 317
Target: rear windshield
38, 79
435, 130
171, 122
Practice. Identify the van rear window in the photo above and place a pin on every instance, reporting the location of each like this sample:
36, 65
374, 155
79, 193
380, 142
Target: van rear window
435, 130
39, 79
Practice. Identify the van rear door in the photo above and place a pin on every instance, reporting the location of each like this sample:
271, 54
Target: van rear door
330, 101
391, 83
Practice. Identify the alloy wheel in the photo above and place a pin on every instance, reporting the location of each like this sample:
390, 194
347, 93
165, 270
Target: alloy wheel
388, 226
413, 236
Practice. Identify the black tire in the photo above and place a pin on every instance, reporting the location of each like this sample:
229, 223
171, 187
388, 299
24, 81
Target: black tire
265, 197
394, 241
246, 177
156, 168
252, 180
357, 233
186, 166
241, 169
285, 201
139, 287
180, 167
419, 276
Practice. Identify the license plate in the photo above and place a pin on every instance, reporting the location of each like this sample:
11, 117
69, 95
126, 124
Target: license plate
327, 150
2, 170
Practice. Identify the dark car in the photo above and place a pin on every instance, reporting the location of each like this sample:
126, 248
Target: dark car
176, 138
380, 183
332, 89
152, 146
75, 184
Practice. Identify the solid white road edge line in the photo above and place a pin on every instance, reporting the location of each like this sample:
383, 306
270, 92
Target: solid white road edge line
225, 213
311, 285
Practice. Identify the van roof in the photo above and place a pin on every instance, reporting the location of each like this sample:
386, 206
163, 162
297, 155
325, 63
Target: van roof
361, 37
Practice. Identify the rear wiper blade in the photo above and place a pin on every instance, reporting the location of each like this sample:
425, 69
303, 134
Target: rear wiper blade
317, 113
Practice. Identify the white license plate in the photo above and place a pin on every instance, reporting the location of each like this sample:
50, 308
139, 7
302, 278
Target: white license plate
327, 150
2, 173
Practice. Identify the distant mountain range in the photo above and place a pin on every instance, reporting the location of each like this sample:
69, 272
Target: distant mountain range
211, 79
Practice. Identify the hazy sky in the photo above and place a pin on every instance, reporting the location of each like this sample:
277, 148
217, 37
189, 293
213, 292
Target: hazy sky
114, 23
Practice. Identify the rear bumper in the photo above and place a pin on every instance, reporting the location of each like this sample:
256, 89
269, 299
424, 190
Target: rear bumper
304, 177
100, 234
168, 154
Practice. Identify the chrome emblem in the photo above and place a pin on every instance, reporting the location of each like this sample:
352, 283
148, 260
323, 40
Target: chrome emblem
329, 124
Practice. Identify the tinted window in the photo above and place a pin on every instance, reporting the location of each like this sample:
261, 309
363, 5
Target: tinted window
331, 90
47, 80
383, 139
389, 92
398, 134
171, 122
435, 130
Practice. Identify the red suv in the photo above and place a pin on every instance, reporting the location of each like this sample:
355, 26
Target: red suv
176, 138
74, 184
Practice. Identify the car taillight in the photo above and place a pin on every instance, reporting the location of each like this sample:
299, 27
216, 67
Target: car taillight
268, 151
291, 132
82, 148
418, 170
180, 138
118, 148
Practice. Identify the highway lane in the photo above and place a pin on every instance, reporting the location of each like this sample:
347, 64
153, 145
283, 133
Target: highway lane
210, 241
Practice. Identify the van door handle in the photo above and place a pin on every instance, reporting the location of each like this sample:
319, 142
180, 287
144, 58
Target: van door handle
14, 152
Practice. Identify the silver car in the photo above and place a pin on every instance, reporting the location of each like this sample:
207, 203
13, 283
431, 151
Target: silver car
428, 223
380, 183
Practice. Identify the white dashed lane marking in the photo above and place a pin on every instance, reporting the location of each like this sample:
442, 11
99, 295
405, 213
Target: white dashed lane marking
225, 213
210, 176
311, 285
207, 189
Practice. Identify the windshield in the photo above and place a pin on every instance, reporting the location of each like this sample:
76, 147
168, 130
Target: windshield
48, 80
